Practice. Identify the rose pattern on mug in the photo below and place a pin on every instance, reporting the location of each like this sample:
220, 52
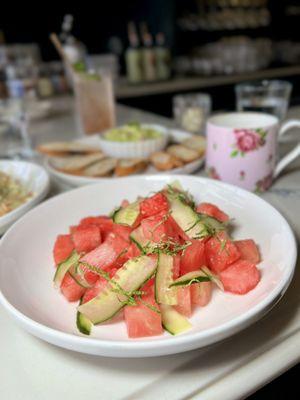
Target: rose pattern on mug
242, 175
248, 140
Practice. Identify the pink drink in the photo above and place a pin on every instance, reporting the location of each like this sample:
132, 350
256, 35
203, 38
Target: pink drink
94, 102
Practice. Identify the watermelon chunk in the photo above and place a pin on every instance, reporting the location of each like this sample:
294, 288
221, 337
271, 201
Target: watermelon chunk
220, 252
70, 289
240, 277
213, 211
95, 290
158, 228
103, 222
148, 288
63, 248
201, 293
133, 251
112, 250
177, 231
184, 305
248, 250
193, 257
86, 238
153, 205
122, 230
141, 321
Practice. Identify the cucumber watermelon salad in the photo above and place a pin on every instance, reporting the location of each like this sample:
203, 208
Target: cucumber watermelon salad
152, 263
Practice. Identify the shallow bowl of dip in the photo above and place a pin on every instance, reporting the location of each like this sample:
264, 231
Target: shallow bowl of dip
134, 140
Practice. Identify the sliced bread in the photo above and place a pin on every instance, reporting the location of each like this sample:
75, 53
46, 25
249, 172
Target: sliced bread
164, 161
66, 148
75, 164
197, 143
101, 168
183, 153
130, 166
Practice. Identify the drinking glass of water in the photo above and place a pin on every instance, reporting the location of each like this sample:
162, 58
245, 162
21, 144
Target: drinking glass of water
268, 96
14, 139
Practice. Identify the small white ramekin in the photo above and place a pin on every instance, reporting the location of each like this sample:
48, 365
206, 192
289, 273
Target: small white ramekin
141, 149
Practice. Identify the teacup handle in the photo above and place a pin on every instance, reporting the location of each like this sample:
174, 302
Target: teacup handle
293, 154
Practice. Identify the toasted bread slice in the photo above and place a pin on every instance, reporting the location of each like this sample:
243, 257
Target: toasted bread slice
183, 153
101, 168
66, 148
197, 143
164, 161
130, 166
75, 164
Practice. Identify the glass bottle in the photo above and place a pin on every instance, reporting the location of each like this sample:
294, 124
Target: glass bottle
163, 58
133, 56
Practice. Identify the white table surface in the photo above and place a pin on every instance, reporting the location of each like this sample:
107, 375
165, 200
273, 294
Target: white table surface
31, 369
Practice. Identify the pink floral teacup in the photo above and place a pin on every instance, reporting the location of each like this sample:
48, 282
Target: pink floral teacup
242, 149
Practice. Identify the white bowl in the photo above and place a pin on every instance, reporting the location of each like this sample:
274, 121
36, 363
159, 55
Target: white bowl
34, 178
141, 149
26, 268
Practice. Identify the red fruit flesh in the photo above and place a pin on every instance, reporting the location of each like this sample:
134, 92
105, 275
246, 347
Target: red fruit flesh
112, 250
184, 305
63, 248
201, 293
220, 252
86, 238
153, 205
248, 250
141, 320
193, 257
240, 277
213, 211
70, 289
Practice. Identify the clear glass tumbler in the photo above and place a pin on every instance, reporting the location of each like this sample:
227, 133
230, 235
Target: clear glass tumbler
191, 111
94, 99
269, 96
14, 139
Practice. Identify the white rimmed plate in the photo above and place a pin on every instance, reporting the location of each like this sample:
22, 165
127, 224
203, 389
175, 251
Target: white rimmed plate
175, 135
34, 178
26, 273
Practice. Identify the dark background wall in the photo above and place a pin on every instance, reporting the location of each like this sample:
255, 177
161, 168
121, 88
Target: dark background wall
97, 21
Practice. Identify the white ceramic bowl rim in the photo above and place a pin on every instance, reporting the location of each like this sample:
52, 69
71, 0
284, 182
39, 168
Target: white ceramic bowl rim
270, 300
8, 216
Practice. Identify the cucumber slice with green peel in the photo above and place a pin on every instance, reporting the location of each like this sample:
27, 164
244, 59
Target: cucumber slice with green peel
214, 278
127, 215
175, 190
78, 275
190, 278
173, 321
84, 325
128, 279
64, 267
202, 275
195, 225
164, 294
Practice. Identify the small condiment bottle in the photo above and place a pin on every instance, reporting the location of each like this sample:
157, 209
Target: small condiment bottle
148, 58
44, 84
163, 58
133, 56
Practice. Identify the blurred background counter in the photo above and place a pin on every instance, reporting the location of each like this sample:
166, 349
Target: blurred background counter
195, 45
